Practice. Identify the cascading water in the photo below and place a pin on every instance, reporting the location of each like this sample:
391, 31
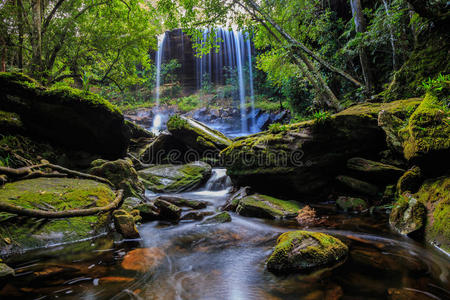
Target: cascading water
250, 72
157, 122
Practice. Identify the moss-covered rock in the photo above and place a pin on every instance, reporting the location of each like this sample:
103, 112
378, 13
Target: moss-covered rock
165, 149
197, 135
125, 225
427, 136
24, 233
351, 204
148, 211
175, 178
10, 123
65, 116
262, 206
167, 210
410, 181
223, 217
5, 271
408, 215
294, 160
357, 186
121, 173
178, 201
373, 170
136, 131
299, 251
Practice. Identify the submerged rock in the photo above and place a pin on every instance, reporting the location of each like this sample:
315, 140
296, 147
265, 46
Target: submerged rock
121, 173
351, 203
298, 251
65, 116
262, 206
26, 233
124, 224
175, 178
196, 215
143, 260
223, 217
197, 135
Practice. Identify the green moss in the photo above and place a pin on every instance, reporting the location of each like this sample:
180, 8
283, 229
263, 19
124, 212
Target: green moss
223, 217
428, 129
176, 123
267, 207
54, 194
410, 181
303, 250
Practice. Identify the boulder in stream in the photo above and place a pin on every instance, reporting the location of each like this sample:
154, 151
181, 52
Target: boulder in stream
408, 215
124, 224
373, 170
299, 251
262, 206
351, 203
178, 201
167, 210
24, 233
222, 217
175, 178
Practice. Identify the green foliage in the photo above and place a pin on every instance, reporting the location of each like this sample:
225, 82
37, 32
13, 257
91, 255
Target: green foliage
436, 85
320, 117
277, 128
189, 103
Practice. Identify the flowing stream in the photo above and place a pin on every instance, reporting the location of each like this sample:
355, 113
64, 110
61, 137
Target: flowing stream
227, 261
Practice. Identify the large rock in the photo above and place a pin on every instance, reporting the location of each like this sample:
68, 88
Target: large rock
167, 210
427, 136
24, 233
357, 186
262, 206
121, 173
165, 149
175, 178
294, 159
373, 170
408, 215
10, 123
197, 135
125, 225
65, 116
298, 251
5, 271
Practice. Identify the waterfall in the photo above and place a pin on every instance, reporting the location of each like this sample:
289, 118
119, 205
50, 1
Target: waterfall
238, 39
250, 72
159, 57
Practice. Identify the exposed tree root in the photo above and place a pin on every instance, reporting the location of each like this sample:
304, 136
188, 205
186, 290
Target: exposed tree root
37, 213
30, 172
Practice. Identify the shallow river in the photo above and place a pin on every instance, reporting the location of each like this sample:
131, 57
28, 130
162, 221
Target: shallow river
227, 261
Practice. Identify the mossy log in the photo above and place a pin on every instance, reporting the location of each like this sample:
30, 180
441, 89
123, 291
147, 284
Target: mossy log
37, 213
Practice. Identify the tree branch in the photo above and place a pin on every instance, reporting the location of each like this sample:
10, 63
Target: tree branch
51, 15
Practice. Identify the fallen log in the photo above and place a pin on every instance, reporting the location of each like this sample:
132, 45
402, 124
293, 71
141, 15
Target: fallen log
38, 213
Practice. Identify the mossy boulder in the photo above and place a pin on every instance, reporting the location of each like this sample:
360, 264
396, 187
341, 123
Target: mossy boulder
175, 178
167, 210
18, 234
408, 215
222, 217
165, 149
5, 271
197, 135
374, 170
351, 204
300, 251
262, 206
65, 116
357, 186
294, 159
121, 173
148, 211
427, 136
136, 131
182, 202
410, 181
125, 225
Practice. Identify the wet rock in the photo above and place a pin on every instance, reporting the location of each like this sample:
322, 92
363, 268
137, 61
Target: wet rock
408, 294
165, 149
95, 126
6, 271
131, 203
136, 131
143, 259
391, 125
178, 201
233, 201
26, 233
298, 251
196, 215
148, 212
358, 186
197, 135
351, 204
124, 224
410, 181
115, 279
121, 173
175, 178
167, 210
223, 217
374, 170
262, 206
408, 215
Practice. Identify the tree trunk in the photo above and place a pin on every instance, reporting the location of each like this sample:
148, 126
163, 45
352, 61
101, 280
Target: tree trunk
20, 38
360, 26
36, 40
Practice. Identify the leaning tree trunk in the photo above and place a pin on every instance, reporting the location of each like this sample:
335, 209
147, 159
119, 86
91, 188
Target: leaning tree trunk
360, 26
